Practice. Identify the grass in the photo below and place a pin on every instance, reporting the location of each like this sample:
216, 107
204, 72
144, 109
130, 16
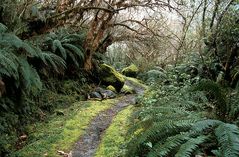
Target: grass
114, 140
62, 131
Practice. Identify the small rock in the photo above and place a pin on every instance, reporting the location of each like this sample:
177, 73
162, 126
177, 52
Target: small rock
108, 94
112, 88
94, 95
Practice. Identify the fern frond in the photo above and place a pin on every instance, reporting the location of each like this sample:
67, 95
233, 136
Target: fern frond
188, 148
217, 93
52, 35
228, 138
160, 131
73, 38
200, 126
13, 41
162, 150
73, 58
29, 76
8, 64
3, 28
53, 60
56, 45
77, 51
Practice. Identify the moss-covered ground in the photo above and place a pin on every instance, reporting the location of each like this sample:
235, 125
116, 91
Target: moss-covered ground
114, 140
62, 131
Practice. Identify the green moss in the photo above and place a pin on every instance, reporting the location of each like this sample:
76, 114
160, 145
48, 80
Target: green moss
136, 82
114, 140
112, 88
127, 90
131, 71
109, 76
61, 132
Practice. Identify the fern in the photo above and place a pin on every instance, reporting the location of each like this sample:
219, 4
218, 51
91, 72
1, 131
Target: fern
161, 150
67, 46
188, 148
176, 124
73, 58
228, 138
21, 47
77, 51
71, 38
53, 60
159, 132
201, 126
217, 93
14, 64
3, 28
56, 45
8, 62
29, 76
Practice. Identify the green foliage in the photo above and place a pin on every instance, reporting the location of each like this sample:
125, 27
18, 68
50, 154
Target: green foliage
216, 93
171, 120
66, 45
23, 65
14, 63
53, 60
228, 139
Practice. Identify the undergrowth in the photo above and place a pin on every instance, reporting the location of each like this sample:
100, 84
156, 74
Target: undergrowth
185, 120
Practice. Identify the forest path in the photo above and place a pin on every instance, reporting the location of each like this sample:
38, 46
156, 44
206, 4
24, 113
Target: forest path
89, 142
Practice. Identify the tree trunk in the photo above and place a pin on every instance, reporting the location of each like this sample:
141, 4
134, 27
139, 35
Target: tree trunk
88, 61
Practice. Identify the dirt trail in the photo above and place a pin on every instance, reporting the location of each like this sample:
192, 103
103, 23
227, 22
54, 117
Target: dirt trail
89, 142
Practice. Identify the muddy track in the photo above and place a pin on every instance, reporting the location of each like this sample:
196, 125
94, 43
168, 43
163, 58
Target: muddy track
89, 142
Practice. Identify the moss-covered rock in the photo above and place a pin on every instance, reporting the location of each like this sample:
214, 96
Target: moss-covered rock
109, 76
112, 88
127, 90
136, 83
130, 71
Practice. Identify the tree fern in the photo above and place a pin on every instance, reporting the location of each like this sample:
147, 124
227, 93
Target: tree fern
228, 138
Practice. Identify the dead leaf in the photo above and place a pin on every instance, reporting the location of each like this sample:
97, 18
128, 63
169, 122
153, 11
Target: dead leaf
62, 153
23, 137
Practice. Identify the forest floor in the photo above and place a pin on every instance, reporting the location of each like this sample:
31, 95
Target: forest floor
99, 127
89, 143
